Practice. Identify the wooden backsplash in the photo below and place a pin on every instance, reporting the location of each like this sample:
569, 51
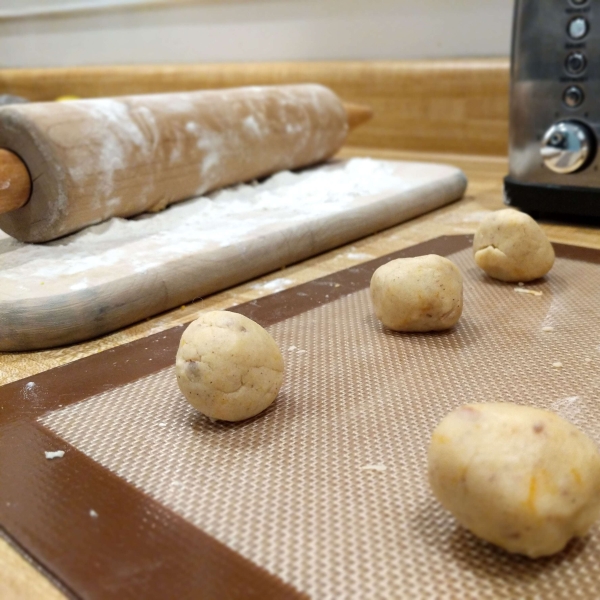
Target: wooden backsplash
439, 106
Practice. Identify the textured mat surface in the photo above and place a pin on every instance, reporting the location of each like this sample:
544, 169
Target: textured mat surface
328, 489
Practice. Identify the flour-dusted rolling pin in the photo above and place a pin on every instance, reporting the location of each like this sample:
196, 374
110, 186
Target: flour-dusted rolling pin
67, 165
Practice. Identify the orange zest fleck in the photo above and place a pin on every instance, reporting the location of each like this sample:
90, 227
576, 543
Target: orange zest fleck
530, 502
577, 476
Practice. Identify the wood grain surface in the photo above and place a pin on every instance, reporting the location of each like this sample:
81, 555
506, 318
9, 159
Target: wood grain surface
434, 105
131, 279
20, 580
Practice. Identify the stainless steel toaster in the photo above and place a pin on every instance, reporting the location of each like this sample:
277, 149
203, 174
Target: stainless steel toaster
555, 108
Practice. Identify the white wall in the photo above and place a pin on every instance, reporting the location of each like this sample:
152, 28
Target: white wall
261, 30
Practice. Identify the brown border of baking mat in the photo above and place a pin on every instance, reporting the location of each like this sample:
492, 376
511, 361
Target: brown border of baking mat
140, 549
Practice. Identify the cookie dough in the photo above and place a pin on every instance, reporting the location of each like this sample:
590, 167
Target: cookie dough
228, 366
509, 245
519, 477
424, 293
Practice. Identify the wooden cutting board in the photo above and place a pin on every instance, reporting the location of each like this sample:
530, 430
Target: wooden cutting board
122, 271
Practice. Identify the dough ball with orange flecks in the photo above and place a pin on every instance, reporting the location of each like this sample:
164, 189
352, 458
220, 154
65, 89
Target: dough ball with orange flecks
519, 477
228, 366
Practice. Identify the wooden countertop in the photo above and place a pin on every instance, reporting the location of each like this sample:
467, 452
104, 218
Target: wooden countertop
484, 193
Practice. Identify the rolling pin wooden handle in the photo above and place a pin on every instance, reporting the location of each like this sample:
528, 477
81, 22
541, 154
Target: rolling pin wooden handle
15, 182
357, 114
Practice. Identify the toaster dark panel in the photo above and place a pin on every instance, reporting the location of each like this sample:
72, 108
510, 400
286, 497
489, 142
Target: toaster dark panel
555, 106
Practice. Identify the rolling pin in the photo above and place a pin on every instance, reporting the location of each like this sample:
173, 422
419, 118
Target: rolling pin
64, 166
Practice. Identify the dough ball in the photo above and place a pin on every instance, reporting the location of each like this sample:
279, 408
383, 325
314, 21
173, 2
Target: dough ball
519, 477
418, 294
509, 245
228, 366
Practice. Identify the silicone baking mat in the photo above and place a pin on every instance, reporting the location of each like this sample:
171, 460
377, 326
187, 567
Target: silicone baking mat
323, 496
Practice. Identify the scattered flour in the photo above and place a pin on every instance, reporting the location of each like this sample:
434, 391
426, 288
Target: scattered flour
216, 220
54, 454
121, 135
251, 124
568, 408
359, 256
30, 392
80, 285
276, 285
530, 292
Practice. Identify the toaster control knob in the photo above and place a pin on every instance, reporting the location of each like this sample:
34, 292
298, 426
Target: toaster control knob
578, 28
567, 146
